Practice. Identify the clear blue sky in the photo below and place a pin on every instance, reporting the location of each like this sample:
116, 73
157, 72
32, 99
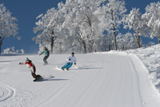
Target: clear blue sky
26, 12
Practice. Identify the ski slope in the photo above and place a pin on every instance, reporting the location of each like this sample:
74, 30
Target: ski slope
98, 80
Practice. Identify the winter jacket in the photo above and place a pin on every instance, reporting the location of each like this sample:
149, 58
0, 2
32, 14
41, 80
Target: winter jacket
30, 66
46, 52
71, 59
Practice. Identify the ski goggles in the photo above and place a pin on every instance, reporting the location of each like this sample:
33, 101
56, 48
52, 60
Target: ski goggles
27, 61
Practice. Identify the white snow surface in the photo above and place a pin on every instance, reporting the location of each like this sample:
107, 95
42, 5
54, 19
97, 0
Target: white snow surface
108, 79
151, 59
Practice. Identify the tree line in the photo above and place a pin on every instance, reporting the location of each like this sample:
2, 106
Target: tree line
90, 25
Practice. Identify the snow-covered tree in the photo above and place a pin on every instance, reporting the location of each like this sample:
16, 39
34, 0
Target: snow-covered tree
151, 43
67, 42
106, 42
8, 26
126, 41
81, 25
82, 21
152, 19
135, 22
12, 50
48, 28
22, 51
113, 11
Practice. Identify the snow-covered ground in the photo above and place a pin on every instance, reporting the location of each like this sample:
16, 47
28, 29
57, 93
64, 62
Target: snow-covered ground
108, 79
151, 59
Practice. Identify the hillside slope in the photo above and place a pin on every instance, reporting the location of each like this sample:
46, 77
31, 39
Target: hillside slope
98, 80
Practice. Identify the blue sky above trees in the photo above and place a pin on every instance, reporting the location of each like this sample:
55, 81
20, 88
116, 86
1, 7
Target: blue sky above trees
26, 12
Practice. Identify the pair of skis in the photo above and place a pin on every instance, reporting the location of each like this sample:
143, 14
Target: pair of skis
59, 68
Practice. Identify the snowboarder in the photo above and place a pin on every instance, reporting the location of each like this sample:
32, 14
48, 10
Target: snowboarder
32, 68
70, 60
46, 52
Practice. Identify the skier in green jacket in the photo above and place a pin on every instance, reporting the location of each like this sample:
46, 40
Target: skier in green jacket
46, 52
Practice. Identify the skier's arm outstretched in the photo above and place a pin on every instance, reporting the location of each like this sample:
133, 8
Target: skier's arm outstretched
30, 67
41, 53
21, 63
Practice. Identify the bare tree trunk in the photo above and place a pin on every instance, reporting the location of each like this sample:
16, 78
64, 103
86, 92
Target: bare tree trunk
114, 32
159, 39
80, 48
1, 41
138, 40
82, 42
85, 48
0, 48
139, 44
109, 47
60, 45
90, 49
52, 44
104, 48
115, 43
90, 41
52, 41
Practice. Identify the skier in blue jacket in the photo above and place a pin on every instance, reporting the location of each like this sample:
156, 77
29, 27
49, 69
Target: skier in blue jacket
46, 52
70, 60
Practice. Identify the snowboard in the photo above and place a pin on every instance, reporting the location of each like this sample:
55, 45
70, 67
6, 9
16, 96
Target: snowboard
40, 78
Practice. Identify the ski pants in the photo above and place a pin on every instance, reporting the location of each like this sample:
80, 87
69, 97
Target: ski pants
45, 59
68, 65
34, 74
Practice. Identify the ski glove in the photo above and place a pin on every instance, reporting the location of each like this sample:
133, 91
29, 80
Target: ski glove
74, 63
20, 63
69, 59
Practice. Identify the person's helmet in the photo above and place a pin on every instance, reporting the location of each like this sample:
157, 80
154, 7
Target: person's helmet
72, 53
27, 60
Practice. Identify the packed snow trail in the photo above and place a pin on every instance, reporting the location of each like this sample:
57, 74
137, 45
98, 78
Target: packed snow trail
101, 80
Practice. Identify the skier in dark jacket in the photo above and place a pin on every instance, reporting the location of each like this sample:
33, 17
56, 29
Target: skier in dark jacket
46, 52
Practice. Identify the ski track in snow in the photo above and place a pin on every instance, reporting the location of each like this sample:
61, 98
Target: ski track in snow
6, 92
11, 97
138, 81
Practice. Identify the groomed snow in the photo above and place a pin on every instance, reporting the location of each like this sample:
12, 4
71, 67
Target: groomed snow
151, 59
112, 79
